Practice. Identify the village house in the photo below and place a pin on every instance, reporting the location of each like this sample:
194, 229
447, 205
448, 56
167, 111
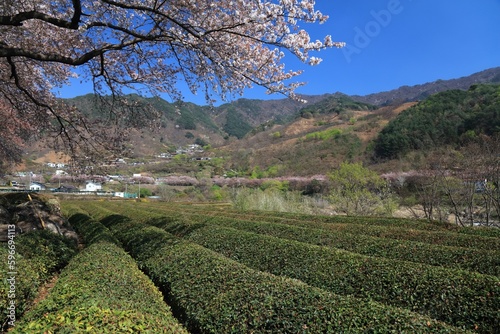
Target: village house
93, 186
60, 172
37, 186
56, 165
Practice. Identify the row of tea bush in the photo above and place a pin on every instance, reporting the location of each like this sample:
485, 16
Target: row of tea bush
101, 290
466, 258
461, 298
213, 294
38, 255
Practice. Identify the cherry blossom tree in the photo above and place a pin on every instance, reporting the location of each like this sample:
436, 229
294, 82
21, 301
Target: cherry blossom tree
12, 135
218, 47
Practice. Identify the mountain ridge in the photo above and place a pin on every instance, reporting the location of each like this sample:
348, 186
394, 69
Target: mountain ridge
419, 92
185, 123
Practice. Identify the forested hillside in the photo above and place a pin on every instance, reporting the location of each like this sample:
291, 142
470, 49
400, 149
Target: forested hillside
453, 117
234, 119
296, 139
286, 133
334, 104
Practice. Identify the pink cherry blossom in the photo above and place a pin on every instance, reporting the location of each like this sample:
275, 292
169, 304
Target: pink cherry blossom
218, 47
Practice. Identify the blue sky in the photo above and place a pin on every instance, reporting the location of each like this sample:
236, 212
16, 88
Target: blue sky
417, 42
391, 43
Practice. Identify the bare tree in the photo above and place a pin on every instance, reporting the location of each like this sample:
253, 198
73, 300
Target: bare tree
460, 194
218, 47
486, 157
470, 182
426, 187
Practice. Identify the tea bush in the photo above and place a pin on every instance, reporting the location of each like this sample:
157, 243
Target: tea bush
457, 297
216, 295
38, 255
480, 260
101, 291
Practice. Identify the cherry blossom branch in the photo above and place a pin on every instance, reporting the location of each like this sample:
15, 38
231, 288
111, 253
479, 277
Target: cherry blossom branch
19, 18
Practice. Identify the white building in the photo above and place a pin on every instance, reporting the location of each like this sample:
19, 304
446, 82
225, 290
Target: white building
60, 172
37, 186
93, 186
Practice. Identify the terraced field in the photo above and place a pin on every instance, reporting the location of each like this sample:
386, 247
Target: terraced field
224, 271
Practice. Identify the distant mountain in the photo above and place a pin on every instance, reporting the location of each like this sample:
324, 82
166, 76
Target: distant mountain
240, 117
321, 138
420, 92
180, 123
313, 143
253, 113
286, 137
181, 120
334, 104
184, 123
256, 112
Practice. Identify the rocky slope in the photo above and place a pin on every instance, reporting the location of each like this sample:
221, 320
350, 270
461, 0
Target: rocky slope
31, 211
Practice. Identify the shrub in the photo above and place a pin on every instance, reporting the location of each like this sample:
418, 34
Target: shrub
26, 287
92, 231
323, 135
359, 191
479, 260
389, 228
46, 250
39, 255
269, 200
101, 291
216, 295
275, 185
460, 298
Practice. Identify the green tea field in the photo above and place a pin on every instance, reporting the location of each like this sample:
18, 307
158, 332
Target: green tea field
177, 268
